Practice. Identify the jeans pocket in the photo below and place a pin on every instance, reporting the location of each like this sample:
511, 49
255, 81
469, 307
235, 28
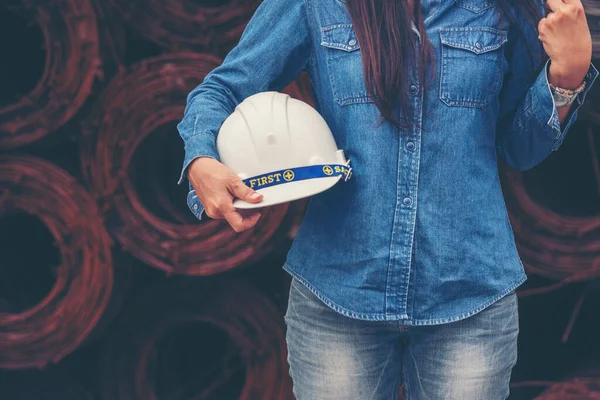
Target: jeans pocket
475, 6
471, 65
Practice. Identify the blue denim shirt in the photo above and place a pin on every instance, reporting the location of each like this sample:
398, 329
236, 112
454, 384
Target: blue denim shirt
420, 234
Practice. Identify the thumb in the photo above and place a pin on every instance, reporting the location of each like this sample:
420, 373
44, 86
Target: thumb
241, 191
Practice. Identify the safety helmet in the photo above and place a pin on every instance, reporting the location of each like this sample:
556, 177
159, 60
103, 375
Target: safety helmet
282, 148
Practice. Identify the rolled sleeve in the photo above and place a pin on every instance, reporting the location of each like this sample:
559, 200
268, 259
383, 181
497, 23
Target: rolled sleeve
528, 125
273, 50
544, 107
201, 145
533, 131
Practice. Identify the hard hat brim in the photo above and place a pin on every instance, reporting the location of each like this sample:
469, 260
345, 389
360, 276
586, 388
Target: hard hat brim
289, 192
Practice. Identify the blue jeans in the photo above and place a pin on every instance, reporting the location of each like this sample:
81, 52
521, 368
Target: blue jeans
334, 357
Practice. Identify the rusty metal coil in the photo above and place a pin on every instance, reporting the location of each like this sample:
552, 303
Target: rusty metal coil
112, 39
552, 245
212, 26
132, 365
575, 389
54, 381
591, 7
594, 25
555, 246
148, 96
123, 272
72, 64
57, 325
592, 10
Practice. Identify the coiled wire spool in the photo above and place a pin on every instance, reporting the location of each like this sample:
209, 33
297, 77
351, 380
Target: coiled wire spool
72, 64
592, 11
575, 389
51, 383
555, 246
56, 326
208, 26
552, 245
130, 359
591, 7
123, 272
138, 101
112, 39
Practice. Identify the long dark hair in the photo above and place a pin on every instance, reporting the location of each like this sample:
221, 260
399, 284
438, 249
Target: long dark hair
383, 28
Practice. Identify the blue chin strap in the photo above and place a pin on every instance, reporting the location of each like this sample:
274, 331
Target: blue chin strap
298, 174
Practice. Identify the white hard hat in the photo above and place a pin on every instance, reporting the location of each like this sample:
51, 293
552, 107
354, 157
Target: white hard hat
282, 148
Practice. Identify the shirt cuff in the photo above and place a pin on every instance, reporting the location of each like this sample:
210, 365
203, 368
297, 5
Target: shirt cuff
202, 145
545, 104
194, 204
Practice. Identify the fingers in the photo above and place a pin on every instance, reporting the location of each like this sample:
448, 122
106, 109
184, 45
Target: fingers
241, 191
572, 7
554, 5
217, 208
217, 186
560, 14
240, 220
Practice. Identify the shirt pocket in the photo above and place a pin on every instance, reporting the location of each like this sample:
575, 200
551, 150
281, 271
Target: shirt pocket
344, 64
471, 65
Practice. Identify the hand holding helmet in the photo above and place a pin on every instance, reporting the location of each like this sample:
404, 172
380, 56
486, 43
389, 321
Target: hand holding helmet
217, 186
273, 149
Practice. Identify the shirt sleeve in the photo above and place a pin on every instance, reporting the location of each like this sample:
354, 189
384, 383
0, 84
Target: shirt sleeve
528, 128
273, 49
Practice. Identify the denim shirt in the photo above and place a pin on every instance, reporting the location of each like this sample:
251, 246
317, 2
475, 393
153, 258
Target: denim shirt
420, 234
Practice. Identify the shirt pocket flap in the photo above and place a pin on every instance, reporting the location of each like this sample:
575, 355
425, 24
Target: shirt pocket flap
475, 39
340, 36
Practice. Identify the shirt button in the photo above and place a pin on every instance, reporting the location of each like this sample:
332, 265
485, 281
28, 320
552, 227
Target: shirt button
410, 146
407, 201
478, 45
352, 42
413, 89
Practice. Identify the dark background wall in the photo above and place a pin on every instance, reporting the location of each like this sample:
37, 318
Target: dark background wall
110, 289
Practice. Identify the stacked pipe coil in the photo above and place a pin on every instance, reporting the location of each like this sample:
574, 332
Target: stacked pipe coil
552, 245
72, 64
575, 389
51, 383
112, 39
214, 26
592, 10
128, 367
555, 246
59, 323
591, 7
149, 95
123, 283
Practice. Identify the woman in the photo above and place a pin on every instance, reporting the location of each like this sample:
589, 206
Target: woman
406, 273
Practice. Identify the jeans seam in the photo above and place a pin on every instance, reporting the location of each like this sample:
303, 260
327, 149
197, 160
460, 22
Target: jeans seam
405, 382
